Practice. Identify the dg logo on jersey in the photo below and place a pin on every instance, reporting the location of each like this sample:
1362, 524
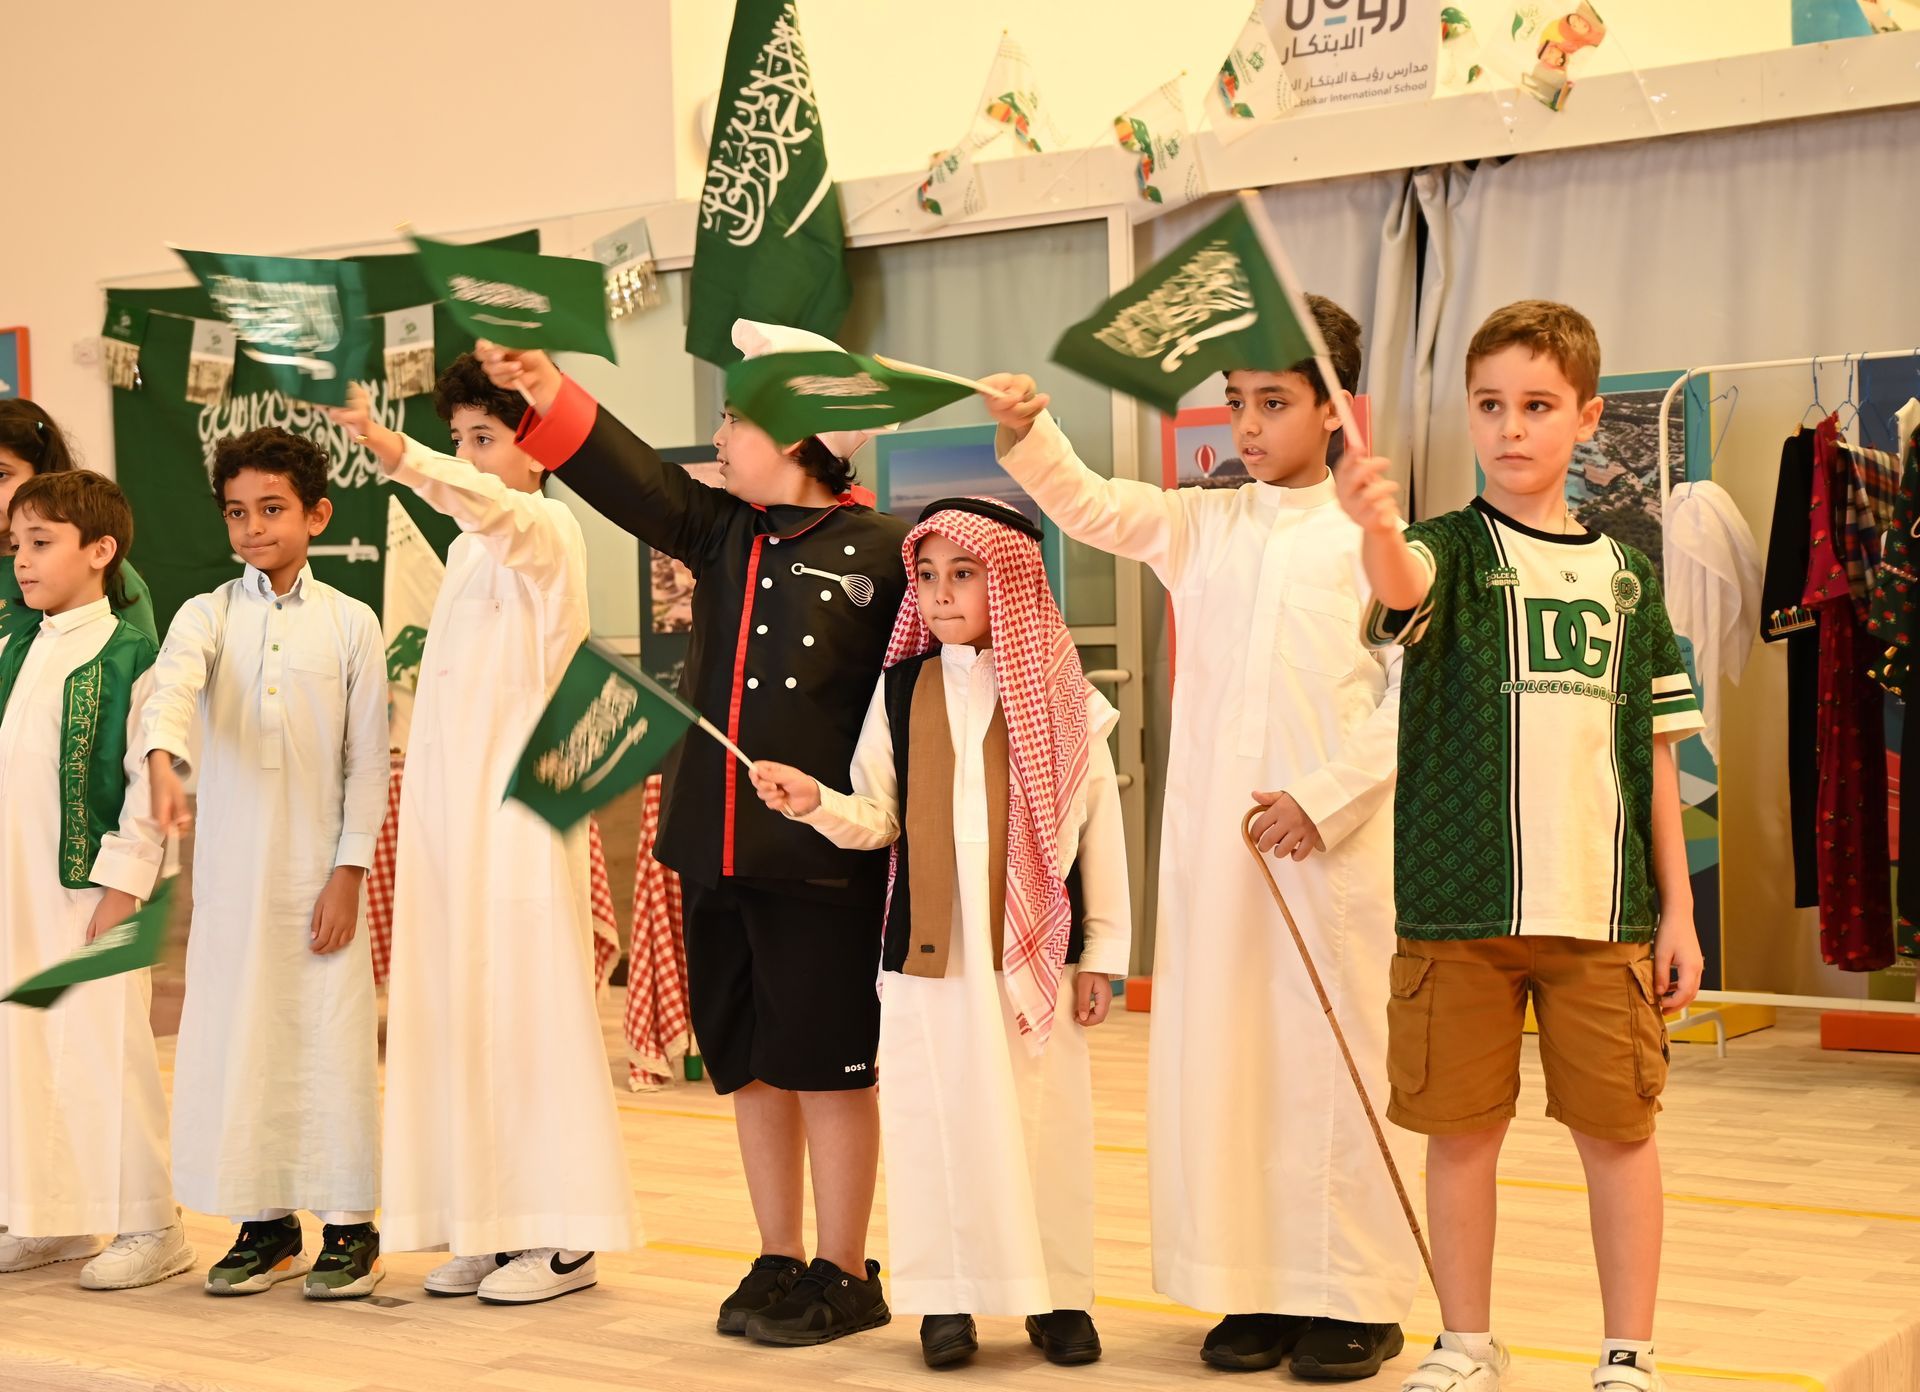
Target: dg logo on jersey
1626, 591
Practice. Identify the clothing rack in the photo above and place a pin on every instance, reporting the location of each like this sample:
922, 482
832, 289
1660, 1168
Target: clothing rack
1714, 998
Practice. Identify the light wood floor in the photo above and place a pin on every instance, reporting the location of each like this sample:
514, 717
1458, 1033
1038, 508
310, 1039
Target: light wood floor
1793, 1255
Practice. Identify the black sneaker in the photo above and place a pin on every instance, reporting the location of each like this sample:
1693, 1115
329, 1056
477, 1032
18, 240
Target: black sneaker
1066, 1337
825, 1304
348, 1266
1252, 1343
948, 1339
263, 1255
767, 1280
1336, 1351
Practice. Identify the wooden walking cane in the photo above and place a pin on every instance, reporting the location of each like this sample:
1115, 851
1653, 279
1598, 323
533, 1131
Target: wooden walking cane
1326, 1007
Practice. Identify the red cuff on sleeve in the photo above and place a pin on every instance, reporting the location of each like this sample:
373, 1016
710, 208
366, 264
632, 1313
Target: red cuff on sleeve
556, 437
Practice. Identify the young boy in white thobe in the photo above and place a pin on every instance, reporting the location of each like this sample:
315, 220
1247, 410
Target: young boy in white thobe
502, 1140
276, 1098
1008, 916
1269, 1199
83, 1122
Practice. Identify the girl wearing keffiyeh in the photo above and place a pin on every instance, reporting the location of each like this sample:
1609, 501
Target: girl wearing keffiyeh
984, 764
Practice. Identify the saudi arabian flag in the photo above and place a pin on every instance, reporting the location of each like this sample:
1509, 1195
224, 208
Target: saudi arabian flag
607, 727
521, 299
1225, 298
305, 322
794, 395
771, 245
129, 946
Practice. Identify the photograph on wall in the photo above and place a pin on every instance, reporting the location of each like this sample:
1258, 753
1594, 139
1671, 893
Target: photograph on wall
666, 585
1613, 480
1197, 450
15, 370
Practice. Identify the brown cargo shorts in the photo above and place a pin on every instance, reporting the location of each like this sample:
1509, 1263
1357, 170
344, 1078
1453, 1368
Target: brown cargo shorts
1458, 1010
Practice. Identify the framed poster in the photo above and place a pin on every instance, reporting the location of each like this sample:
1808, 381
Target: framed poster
916, 467
16, 369
666, 585
1197, 450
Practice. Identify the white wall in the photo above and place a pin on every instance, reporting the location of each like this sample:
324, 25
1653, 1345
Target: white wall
275, 128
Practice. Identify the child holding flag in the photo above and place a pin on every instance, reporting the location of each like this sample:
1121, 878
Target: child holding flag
983, 762
83, 1123
276, 1090
799, 579
501, 1141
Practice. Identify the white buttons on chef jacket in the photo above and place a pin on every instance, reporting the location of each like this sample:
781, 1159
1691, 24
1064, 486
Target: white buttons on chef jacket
792, 682
761, 629
766, 582
849, 550
826, 594
773, 541
808, 640
753, 683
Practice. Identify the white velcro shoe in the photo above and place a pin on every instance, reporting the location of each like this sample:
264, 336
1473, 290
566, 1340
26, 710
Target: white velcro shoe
25, 1253
1625, 1374
540, 1273
139, 1259
1447, 1368
463, 1275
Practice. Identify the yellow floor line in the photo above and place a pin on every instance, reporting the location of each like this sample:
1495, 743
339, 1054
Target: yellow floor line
1414, 1338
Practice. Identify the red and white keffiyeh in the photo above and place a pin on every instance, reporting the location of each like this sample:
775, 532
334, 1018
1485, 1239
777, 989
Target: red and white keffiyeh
1044, 695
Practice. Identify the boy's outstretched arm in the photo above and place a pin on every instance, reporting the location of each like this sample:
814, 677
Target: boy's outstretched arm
1676, 944
1371, 499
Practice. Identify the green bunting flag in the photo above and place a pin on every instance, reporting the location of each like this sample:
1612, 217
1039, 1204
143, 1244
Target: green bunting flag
304, 321
1225, 298
771, 245
128, 946
521, 299
607, 727
792, 396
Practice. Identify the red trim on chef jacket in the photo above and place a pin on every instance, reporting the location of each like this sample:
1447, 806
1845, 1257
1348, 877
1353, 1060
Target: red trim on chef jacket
556, 437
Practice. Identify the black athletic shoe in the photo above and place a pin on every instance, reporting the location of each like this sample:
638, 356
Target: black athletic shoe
767, 1280
948, 1339
825, 1304
1065, 1336
1335, 1351
348, 1266
264, 1254
1252, 1343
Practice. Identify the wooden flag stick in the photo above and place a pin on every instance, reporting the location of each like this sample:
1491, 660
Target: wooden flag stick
1326, 1007
935, 372
1283, 271
737, 751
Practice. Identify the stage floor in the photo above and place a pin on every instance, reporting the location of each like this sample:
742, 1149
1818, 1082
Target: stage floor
1792, 1262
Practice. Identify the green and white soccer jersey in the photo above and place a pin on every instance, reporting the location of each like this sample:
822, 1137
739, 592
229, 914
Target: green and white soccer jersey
1539, 670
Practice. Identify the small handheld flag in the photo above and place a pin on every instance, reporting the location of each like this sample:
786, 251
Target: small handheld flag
126, 947
795, 395
520, 299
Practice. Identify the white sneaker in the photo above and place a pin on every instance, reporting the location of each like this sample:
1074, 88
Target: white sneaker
540, 1273
139, 1259
1447, 1368
463, 1275
1627, 1376
25, 1253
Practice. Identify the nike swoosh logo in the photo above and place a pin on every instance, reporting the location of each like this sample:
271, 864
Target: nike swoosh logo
561, 1268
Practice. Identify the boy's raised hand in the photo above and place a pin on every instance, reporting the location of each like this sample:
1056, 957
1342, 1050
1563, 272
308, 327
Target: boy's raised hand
337, 911
357, 418
169, 794
784, 788
1369, 497
525, 370
1015, 402
1092, 997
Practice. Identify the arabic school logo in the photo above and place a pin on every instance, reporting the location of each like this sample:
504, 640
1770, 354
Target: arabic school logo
1208, 297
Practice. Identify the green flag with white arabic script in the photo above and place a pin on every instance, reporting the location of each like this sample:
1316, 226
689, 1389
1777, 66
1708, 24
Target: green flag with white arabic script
519, 298
1216, 302
795, 395
771, 245
126, 947
607, 727
304, 321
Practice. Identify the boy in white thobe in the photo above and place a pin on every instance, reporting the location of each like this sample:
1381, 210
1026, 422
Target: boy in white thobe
502, 1140
986, 1100
1270, 1202
83, 1122
276, 1098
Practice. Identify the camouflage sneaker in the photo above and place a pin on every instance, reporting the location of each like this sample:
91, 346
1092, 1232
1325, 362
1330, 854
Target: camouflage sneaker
263, 1255
348, 1265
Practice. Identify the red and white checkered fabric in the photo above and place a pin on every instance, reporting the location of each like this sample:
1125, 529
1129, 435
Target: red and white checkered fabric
659, 1029
606, 931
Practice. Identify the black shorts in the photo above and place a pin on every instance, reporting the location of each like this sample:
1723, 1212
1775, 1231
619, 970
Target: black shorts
782, 987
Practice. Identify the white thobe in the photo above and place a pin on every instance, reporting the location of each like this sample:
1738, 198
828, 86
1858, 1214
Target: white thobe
501, 1129
1268, 1190
989, 1149
276, 1098
1712, 588
83, 1120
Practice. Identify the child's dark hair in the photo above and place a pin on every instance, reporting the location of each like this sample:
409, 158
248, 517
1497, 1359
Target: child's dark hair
465, 383
30, 433
93, 503
1341, 331
272, 450
823, 464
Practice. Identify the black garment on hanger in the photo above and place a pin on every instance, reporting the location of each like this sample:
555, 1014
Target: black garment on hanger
1785, 620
